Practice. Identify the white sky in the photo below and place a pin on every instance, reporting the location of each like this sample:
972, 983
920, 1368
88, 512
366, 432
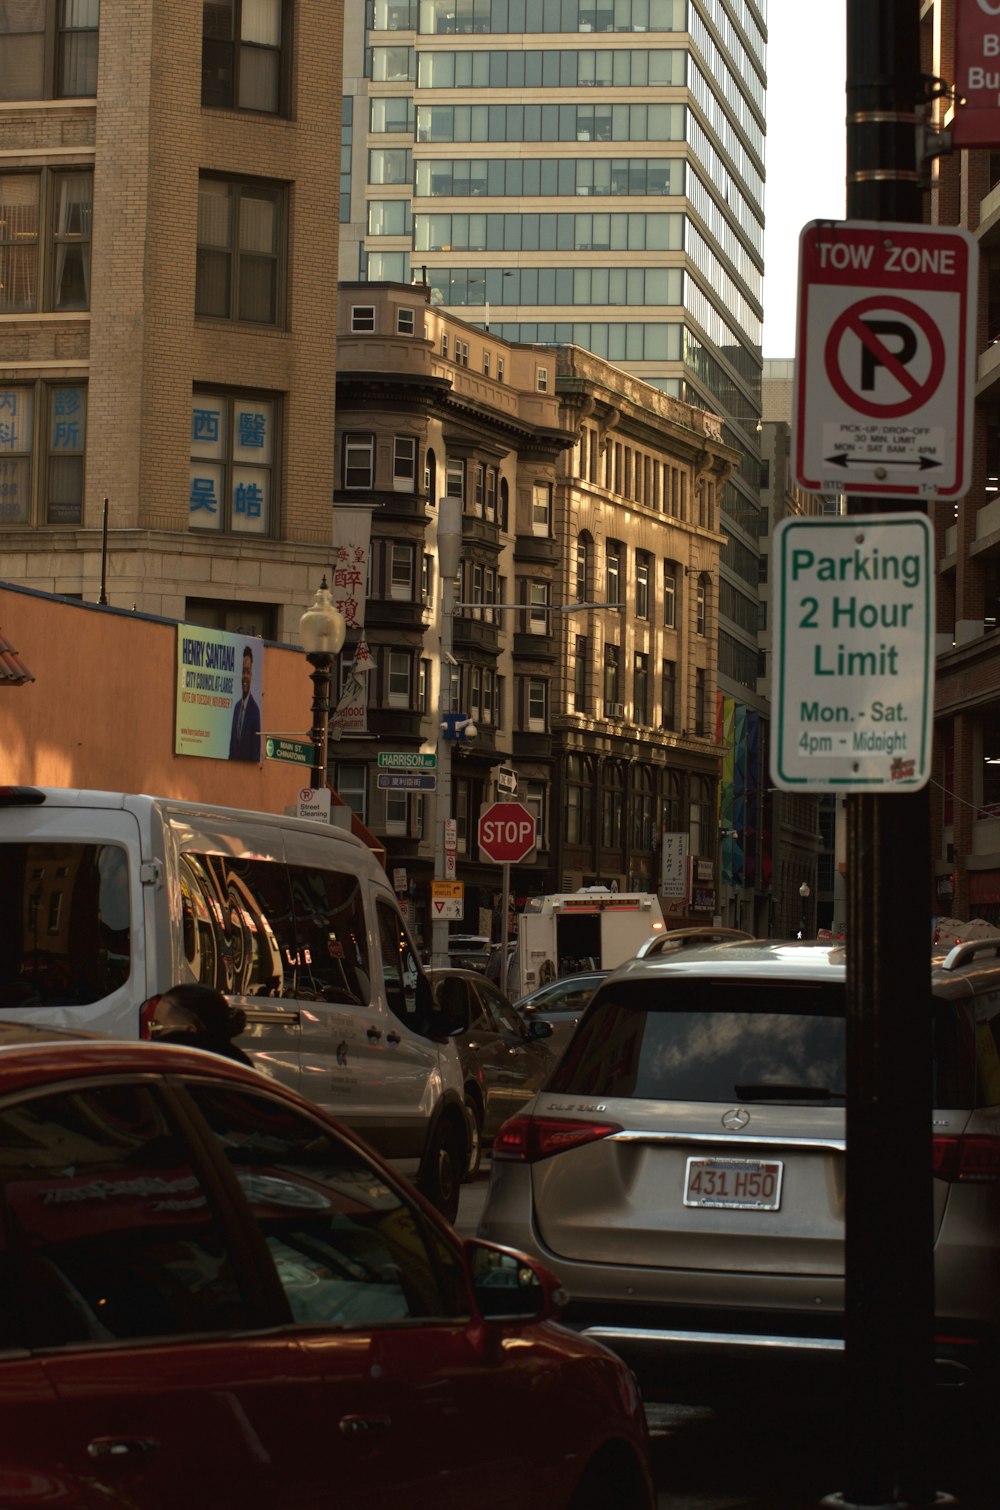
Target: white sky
805, 146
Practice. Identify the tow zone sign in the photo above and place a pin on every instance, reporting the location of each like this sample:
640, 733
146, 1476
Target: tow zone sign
886, 359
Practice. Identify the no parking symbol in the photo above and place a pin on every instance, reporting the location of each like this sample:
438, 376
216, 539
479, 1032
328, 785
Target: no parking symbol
884, 375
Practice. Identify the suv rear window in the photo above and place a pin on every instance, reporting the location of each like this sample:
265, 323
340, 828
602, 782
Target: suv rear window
696, 1039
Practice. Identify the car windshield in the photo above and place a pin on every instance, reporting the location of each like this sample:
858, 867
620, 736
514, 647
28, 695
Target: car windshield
696, 1039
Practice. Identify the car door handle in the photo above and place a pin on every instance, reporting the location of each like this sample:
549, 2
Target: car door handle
374, 1033
360, 1426
392, 1038
121, 1447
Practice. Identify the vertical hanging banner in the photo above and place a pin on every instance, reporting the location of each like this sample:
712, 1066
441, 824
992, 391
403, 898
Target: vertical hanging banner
352, 529
976, 121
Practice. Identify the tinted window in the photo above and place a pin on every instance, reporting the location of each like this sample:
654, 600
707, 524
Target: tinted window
347, 1247
107, 1231
705, 1040
64, 926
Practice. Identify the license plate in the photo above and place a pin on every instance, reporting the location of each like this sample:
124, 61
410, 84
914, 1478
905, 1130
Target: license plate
743, 1184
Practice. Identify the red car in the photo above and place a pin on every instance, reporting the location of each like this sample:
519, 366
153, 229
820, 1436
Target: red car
213, 1295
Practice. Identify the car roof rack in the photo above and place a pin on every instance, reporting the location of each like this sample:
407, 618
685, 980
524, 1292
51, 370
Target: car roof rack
962, 953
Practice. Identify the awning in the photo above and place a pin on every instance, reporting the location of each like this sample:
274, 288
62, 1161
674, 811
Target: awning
13, 671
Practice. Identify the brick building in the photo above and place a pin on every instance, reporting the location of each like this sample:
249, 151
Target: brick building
167, 336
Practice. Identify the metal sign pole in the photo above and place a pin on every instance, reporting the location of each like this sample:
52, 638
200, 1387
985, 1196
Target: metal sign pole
890, 1282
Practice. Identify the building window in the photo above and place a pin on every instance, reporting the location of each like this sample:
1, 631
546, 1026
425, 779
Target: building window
45, 232
500, 369
233, 463
444, 343
424, 686
699, 703
612, 682
43, 431
397, 812
640, 690
32, 34
363, 317
541, 508
401, 572
613, 570
670, 594
399, 673
537, 704
241, 251
668, 707
584, 561
641, 585
455, 484
427, 578
243, 46
699, 816
641, 836
486, 364
405, 322
478, 488
581, 675
579, 817
404, 464
359, 461
239, 617
701, 606
542, 379
490, 509
351, 782
672, 802
461, 352
538, 608
612, 805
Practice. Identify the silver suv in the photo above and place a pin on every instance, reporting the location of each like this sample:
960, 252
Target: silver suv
682, 1170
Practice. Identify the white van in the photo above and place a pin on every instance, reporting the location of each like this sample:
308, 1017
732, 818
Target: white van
109, 899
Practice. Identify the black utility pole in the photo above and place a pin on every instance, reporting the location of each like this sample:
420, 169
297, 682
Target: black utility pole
890, 1279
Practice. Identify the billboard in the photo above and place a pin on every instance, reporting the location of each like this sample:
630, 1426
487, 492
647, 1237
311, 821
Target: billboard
219, 694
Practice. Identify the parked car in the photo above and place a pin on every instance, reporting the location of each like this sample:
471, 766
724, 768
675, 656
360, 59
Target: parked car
504, 1057
468, 951
214, 1294
682, 1170
561, 1002
493, 965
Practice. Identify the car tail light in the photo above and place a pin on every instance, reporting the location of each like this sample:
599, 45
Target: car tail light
20, 796
526, 1139
967, 1160
146, 1014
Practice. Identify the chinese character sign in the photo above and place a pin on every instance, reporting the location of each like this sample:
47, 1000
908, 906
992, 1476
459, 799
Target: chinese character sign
16, 438
674, 881
231, 464
349, 567
219, 694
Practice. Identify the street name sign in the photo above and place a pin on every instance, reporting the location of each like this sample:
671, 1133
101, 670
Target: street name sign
407, 760
853, 653
885, 359
296, 751
407, 781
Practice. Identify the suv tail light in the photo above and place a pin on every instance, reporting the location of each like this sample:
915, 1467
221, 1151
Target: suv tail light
146, 1014
526, 1139
968, 1160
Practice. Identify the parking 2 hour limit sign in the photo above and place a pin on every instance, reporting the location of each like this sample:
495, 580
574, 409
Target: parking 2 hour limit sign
853, 643
885, 359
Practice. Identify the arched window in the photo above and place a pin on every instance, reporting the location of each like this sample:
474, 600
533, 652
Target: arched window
641, 831
579, 815
613, 805
673, 793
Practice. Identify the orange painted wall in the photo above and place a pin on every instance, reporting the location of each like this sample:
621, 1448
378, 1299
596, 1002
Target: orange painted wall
100, 712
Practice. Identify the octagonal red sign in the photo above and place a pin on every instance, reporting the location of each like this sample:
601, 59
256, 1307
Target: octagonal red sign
506, 832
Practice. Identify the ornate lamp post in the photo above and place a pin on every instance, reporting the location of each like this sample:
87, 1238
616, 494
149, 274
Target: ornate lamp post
804, 894
321, 629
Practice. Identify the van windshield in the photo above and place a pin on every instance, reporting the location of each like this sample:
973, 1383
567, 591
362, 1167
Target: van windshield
65, 937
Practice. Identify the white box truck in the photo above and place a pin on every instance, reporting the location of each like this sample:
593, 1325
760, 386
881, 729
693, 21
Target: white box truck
592, 929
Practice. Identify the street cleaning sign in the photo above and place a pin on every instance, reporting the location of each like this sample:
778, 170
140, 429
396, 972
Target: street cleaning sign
885, 364
853, 643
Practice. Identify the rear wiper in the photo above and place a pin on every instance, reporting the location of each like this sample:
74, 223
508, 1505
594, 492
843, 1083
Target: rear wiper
770, 1090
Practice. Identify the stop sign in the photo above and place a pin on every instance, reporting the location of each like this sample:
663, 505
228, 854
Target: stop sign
506, 832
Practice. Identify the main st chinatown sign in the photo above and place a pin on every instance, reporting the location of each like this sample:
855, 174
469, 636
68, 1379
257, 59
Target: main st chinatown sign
853, 653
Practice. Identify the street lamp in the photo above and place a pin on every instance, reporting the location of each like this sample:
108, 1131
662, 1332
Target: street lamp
804, 894
321, 629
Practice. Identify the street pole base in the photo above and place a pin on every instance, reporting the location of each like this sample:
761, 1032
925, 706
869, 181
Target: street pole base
838, 1502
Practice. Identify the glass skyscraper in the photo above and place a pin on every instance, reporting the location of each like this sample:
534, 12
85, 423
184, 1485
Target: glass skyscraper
586, 172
